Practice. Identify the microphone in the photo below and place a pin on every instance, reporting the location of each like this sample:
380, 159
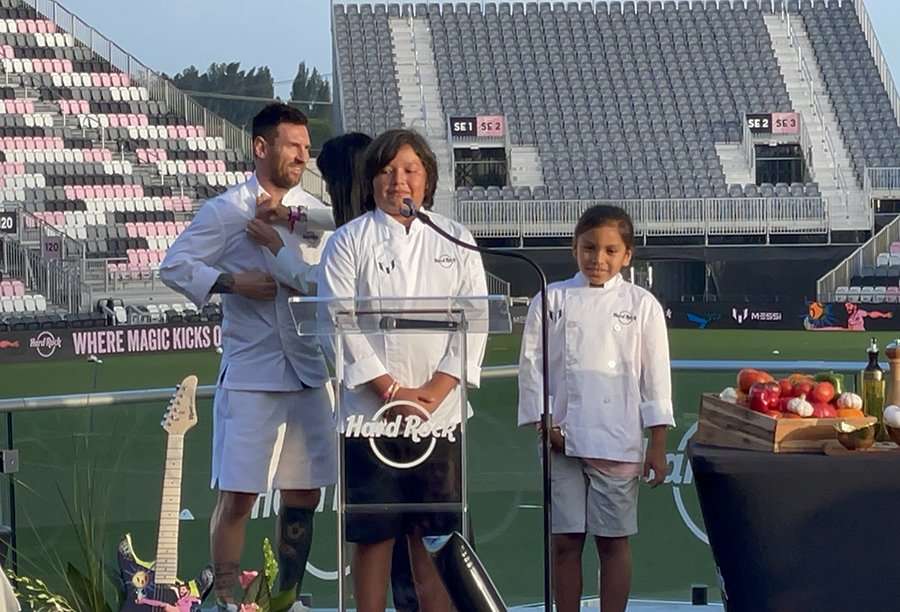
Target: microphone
409, 210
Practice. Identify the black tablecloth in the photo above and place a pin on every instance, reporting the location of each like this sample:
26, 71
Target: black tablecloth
802, 533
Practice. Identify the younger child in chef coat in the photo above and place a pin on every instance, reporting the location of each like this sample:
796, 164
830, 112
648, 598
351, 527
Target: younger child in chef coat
609, 381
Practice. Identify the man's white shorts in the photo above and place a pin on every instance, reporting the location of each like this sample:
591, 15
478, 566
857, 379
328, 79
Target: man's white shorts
264, 440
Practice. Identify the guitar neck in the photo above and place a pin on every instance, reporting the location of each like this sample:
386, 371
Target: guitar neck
166, 568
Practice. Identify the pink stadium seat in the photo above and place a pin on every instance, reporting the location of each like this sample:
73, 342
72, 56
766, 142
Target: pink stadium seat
59, 219
201, 131
67, 65
128, 191
37, 65
19, 143
138, 190
105, 80
51, 27
30, 26
18, 288
130, 230
90, 191
6, 289
69, 191
150, 229
96, 81
181, 131
132, 256
191, 166
126, 80
170, 229
895, 248
143, 257
79, 192
118, 191
142, 156
114, 121
19, 168
191, 131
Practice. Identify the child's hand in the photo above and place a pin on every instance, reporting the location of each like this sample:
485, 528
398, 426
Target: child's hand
656, 461
557, 439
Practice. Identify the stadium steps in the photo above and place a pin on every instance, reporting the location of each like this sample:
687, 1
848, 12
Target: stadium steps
847, 206
418, 85
735, 164
525, 167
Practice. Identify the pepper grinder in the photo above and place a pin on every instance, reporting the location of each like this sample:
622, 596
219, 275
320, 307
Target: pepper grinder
892, 393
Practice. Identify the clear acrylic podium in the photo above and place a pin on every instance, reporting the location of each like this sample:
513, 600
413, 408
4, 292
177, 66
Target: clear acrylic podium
396, 461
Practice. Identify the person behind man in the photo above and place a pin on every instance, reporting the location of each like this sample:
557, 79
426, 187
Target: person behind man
341, 164
273, 424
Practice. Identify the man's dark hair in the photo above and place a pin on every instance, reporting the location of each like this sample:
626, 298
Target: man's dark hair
266, 121
385, 148
340, 163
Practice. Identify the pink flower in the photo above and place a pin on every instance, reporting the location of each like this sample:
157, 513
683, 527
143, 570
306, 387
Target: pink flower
249, 607
247, 577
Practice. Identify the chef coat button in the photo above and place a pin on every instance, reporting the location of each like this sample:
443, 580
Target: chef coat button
611, 363
617, 327
605, 400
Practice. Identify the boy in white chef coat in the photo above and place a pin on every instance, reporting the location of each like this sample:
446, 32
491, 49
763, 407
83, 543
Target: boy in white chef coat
609, 380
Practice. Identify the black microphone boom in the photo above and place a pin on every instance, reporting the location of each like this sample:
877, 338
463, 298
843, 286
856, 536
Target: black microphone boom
410, 210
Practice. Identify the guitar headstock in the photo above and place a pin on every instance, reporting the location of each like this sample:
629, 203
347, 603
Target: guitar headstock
181, 414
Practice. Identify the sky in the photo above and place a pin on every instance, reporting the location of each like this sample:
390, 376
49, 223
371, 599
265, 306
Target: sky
169, 35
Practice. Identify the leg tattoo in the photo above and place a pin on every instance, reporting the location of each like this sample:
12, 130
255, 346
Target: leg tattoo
295, 531
226, 577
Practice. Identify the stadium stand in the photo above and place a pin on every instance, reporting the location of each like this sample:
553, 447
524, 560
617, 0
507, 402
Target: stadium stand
624, 101
97, 155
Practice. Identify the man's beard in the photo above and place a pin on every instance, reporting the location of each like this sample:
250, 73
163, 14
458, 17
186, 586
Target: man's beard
282, 179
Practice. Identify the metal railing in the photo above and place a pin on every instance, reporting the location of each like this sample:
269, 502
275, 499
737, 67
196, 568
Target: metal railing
881, 61
865, 255
828, 140
749, 146
496, 285
671, 217
35, 232
57, 280
882, 179
81, 401
159, 88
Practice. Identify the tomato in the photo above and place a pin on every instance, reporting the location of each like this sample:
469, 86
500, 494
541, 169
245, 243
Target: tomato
823, 410
787, 387
747, 377
823, 392
803, 388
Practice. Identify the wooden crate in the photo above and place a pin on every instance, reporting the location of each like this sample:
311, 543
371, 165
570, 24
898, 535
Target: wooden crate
730, 425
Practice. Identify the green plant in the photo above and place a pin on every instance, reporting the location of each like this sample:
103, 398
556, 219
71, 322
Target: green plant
35, 593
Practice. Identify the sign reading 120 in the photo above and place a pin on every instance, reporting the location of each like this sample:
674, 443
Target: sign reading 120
482, 126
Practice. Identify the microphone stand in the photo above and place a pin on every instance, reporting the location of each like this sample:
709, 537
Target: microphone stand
410, 210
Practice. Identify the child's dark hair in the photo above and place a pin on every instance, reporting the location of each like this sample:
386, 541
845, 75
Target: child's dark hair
600, 215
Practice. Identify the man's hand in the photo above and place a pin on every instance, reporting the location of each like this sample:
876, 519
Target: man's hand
255, 285
656, 457
270, 211
265, 235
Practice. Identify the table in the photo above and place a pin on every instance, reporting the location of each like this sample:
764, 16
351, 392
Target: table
802, 532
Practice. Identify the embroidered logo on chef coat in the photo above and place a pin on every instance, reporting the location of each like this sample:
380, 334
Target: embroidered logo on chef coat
445, 260
387, 267
555, 315
624, 317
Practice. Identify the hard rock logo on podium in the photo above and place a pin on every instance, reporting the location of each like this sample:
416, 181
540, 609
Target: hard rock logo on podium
417, 429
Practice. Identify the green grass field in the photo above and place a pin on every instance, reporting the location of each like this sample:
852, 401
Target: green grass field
121, 448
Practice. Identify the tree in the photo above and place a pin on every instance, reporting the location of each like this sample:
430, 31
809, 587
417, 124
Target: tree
229, 79
312, 86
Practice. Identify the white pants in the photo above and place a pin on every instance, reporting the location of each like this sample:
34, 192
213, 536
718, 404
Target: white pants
282, 440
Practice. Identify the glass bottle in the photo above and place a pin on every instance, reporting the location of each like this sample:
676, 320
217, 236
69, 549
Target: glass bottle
872, 387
